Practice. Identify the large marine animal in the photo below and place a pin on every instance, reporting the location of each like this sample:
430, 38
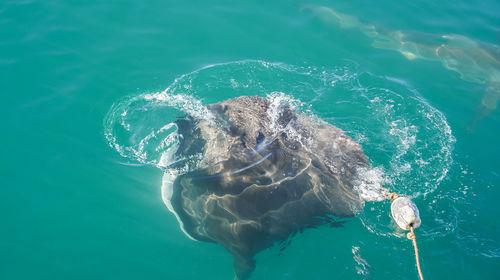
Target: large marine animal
475, 61
265, 172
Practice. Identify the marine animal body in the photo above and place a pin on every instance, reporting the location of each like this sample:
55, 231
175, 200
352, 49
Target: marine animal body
475, 61
266, 172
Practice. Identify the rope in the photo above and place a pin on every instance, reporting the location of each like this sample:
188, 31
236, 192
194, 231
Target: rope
411, 235
393, 196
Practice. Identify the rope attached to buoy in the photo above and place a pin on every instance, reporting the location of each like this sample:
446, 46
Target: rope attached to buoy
406, 215
411, 235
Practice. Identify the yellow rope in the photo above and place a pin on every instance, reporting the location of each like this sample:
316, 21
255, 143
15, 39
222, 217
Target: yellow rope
393, 196
411, 235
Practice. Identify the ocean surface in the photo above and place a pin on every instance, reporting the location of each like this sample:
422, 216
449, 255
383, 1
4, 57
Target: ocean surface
88, 86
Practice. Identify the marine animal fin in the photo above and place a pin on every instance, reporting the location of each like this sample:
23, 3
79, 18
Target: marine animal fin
243, 267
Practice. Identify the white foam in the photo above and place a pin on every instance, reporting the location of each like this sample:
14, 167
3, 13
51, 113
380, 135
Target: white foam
186, 103
134, 136
369, 184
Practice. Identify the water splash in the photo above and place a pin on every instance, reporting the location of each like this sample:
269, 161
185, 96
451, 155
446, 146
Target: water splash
408, 142
141, 128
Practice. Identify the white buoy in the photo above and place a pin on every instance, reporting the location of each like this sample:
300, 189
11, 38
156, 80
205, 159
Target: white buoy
405, 213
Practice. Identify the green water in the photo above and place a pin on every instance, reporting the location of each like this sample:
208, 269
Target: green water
74, 208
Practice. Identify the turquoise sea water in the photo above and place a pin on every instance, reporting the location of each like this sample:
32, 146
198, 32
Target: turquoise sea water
73, 207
